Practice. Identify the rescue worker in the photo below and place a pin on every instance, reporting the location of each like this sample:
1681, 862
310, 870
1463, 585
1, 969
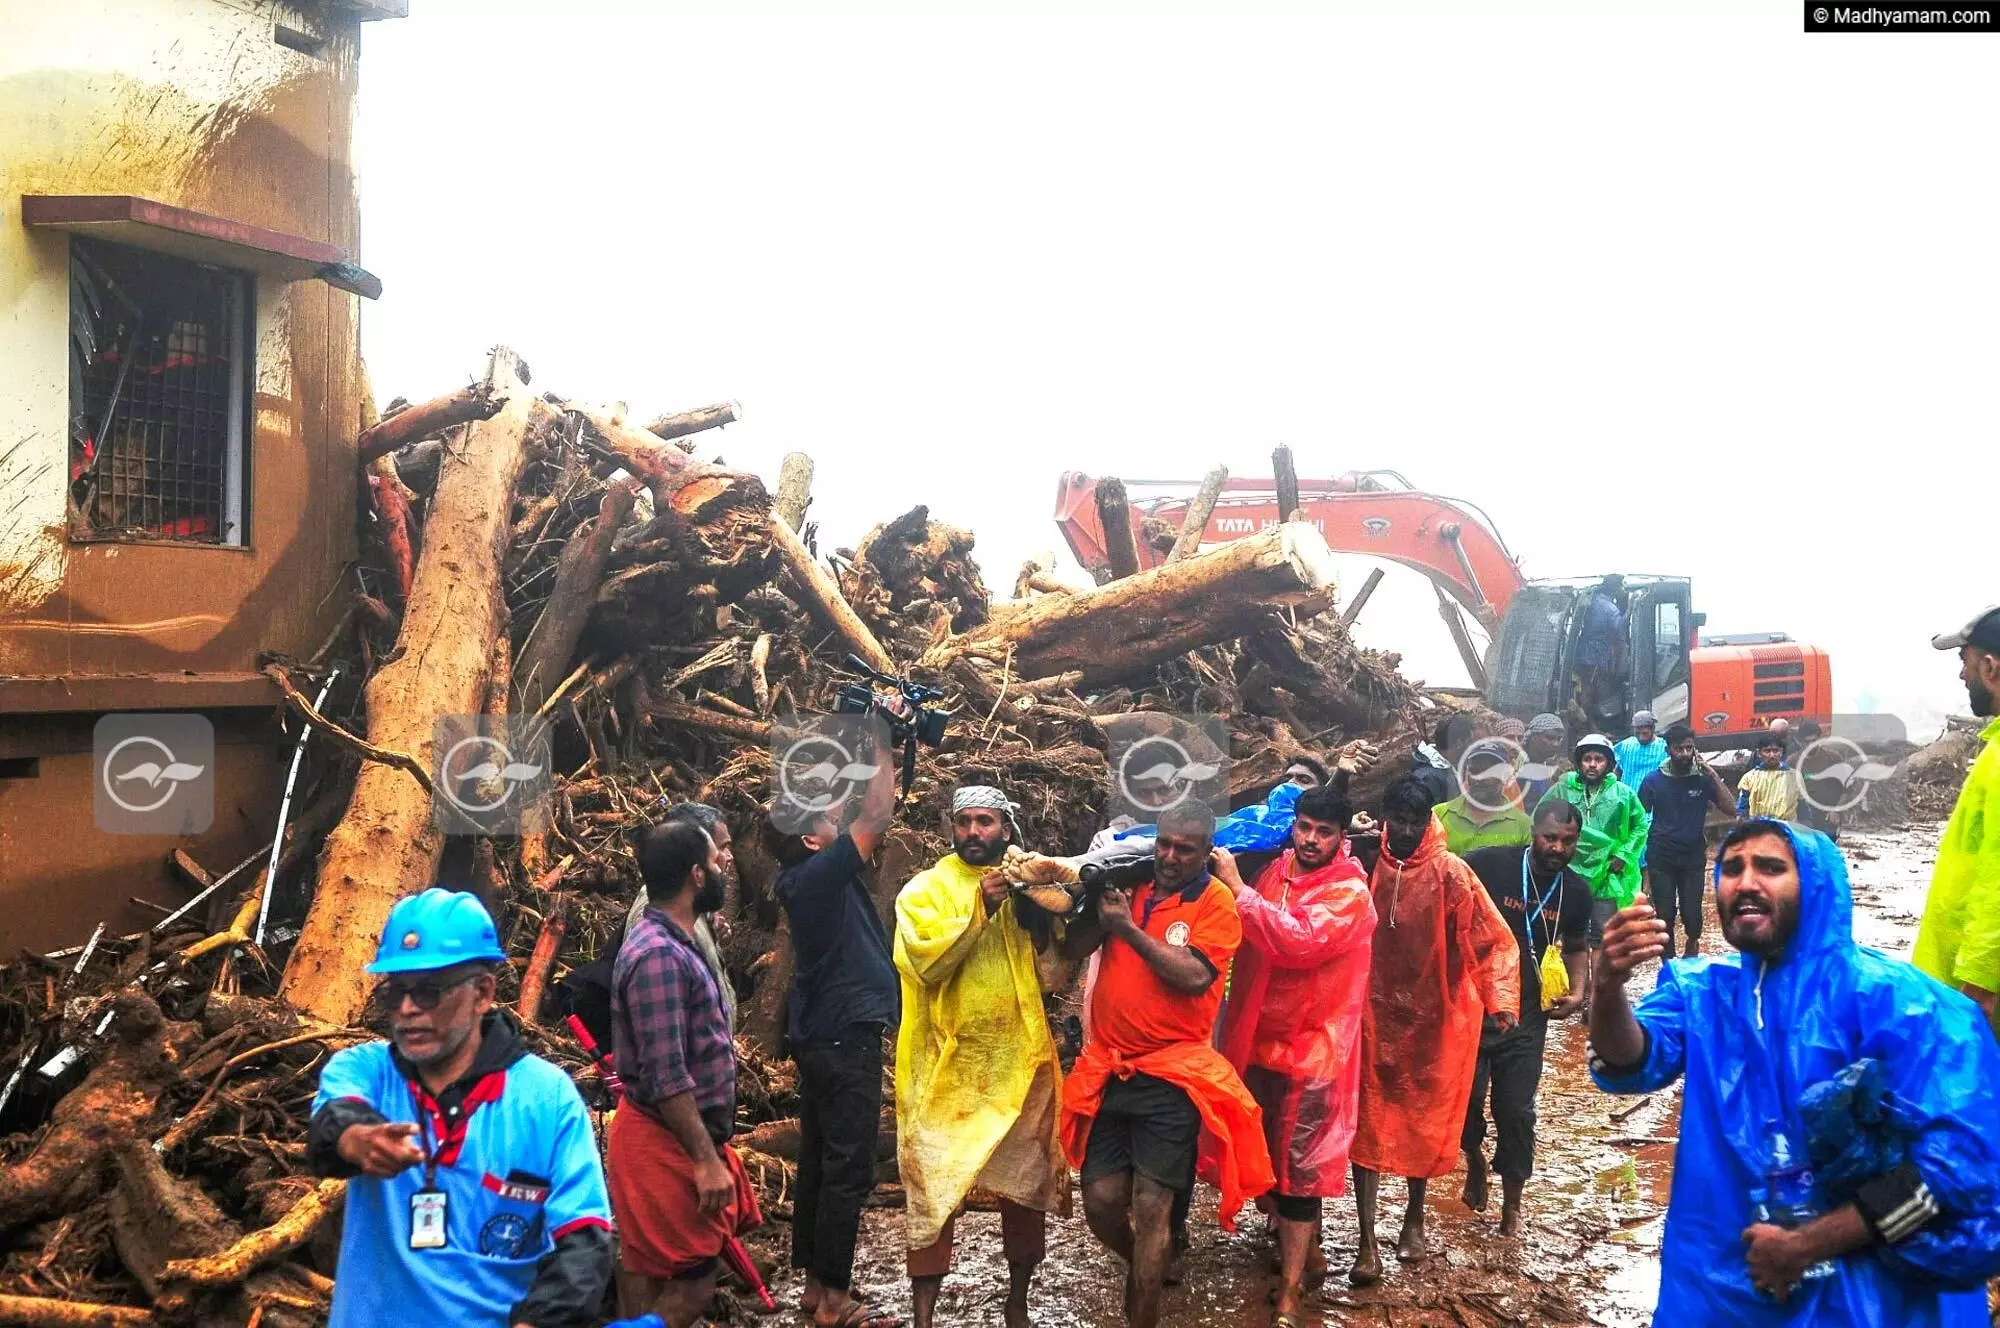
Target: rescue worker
1612, 850
1547, 907
474, 1194
1959, 942
1600, 651
1149, 1080
1837, 1162
1770, 790
978, 1087
1489, 811
1640, 753
679, 1191
1442, 961
1292, 1024
1677, 796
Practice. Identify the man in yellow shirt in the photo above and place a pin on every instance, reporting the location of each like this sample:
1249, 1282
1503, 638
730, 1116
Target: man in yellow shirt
978, 1088
1770, 789
1959, 942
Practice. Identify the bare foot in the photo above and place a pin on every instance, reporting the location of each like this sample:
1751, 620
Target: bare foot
1475, 1181
1510, 1219
1367, 1270
1411, 1248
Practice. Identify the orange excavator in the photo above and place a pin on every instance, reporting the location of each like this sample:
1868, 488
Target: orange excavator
1727, 688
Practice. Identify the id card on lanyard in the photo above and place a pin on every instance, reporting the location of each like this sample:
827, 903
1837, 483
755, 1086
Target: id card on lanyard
428, 1206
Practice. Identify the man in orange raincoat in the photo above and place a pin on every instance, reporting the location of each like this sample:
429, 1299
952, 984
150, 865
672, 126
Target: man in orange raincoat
1444, 960
1150, 1080
1292, 1026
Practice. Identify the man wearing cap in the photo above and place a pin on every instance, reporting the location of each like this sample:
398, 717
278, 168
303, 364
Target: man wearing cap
474, 1192
978, 1088
1959, 942
1546, 758
1641, 753
1612, 847
679, 1191
1488, 812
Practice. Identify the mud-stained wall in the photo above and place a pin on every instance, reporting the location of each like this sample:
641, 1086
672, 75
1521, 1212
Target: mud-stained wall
195, 104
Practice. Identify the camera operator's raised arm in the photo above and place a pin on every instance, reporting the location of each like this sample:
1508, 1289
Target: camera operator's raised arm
878, 806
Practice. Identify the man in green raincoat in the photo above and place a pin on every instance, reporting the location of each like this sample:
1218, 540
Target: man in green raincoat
1613, 843
1959, 942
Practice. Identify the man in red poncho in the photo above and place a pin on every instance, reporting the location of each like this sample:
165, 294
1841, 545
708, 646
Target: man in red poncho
1292, 1025
1444, 959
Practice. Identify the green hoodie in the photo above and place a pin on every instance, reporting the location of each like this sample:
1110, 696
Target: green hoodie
1615, 825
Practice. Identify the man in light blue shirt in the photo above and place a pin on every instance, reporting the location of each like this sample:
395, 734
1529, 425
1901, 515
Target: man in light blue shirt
1642, 753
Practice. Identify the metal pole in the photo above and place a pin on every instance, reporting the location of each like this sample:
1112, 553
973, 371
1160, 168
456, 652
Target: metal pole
284, 814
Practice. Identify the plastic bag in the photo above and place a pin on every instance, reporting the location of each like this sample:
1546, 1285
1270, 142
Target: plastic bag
1555, 976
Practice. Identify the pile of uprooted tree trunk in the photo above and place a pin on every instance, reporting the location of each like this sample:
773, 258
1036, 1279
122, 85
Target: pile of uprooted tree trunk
527, 555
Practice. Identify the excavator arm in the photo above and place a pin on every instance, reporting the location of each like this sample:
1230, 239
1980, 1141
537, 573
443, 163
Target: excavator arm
1450, 542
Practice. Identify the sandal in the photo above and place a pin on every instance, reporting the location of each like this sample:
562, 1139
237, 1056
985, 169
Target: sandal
1287, 1321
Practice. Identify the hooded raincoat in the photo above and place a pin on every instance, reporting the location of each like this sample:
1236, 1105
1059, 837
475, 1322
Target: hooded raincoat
978, 1088
1294, 1012
1615, 825
1750, 1038
1959, 941
1443, 959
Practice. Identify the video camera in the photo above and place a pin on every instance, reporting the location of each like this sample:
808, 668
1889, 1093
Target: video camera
921, 722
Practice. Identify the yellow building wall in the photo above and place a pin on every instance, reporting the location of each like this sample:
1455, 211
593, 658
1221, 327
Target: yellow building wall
192, 103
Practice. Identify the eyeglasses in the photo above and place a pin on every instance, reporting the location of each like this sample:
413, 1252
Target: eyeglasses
424, 995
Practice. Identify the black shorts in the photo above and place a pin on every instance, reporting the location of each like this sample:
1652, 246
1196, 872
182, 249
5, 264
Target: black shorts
1143, 1125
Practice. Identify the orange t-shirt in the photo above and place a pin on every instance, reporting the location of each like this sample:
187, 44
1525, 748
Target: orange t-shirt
1132, 1012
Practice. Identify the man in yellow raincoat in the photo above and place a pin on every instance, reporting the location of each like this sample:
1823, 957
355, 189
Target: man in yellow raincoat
977, 1082
1959, 941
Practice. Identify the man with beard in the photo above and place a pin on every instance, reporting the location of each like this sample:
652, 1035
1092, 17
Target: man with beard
474, 1194
1149, 1079
678, 1190
1837, 1161
1548, 909
977, 1084
704, 938
1959, 942
1442, 961
1292, 1025
1611, 852
1545, 761
1677, 796
844, 998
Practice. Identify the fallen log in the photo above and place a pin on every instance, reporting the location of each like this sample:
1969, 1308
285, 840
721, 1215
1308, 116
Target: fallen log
42, 1312
795, 478
244, 1257
394, 511
714, 721
1286, 472
1198, 513
416, 423
1121, 629
551, 643
387, 844
694, 421
658, 464
823, 596
542, 960
1114, 512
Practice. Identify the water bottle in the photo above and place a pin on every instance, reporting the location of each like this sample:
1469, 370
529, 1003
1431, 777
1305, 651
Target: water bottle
1785, 1199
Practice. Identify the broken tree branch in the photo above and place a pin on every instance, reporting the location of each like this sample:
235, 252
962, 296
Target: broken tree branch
289, 1232
551, 644
1287, 475
352, 742
1198, 513
795, 479
429, 419
1114, 512
825, 599
694, 421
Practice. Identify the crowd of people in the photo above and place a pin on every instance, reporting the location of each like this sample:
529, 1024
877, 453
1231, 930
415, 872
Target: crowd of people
1359, 1005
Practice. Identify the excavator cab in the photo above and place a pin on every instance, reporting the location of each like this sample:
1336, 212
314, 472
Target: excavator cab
1535, 662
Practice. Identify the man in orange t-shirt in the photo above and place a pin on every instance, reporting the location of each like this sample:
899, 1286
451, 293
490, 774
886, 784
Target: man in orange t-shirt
1149, 1079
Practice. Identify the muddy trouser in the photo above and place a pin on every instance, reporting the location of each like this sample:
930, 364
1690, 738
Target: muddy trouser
1601, 912
1677, 891
840, 1117
1183, 1205
1509, 1072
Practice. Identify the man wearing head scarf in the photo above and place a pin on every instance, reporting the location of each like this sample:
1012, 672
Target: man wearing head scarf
977, 1083
1444, 964
1838, 1160
1546, 758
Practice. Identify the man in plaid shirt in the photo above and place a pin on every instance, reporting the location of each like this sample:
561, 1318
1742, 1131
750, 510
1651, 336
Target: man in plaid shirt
677, 1190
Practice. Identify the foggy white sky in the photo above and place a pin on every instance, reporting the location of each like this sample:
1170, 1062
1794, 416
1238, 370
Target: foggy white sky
1662, 292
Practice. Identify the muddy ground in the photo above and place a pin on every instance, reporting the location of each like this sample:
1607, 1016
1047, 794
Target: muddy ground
1596, 1204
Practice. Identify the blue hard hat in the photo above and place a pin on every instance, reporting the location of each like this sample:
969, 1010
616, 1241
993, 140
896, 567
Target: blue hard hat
436, 929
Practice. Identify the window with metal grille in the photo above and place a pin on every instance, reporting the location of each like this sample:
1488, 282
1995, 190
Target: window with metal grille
159, 393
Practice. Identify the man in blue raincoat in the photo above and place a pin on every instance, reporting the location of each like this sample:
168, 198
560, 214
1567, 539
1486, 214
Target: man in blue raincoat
1752, 1238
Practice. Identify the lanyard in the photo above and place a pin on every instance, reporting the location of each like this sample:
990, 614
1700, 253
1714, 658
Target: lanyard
424, 1138
1527, 893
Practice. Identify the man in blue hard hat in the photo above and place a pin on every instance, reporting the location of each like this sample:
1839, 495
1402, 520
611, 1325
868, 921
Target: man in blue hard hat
475, 1194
